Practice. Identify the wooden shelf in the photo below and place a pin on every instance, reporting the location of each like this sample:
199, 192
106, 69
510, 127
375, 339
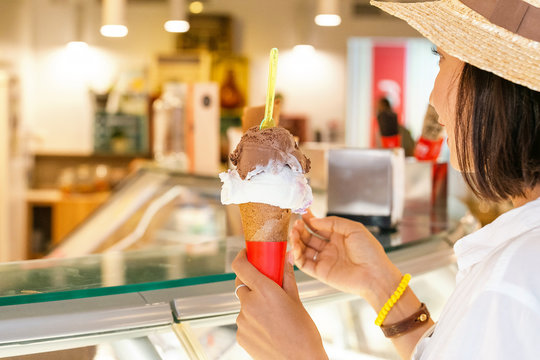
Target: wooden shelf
67, 211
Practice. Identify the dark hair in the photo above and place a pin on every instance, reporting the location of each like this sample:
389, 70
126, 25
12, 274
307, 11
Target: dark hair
497, 135
385, 103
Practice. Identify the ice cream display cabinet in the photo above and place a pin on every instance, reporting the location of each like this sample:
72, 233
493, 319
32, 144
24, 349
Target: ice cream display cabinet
148, 277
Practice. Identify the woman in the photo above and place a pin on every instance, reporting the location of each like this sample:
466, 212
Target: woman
487, 94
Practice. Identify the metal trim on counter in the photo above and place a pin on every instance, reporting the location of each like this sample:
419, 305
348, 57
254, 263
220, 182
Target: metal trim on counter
23, 324
70, 342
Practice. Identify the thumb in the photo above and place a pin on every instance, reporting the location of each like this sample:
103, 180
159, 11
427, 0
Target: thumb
289, 280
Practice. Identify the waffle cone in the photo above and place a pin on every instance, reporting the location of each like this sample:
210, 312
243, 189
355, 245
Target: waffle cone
263, 222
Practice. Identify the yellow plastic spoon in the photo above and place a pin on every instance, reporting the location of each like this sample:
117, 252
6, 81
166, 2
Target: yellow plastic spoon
268, 120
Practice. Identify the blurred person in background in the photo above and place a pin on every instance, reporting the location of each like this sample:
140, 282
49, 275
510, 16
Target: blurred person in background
391, 132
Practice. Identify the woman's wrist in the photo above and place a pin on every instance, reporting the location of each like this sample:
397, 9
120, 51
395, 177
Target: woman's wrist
310, 350
381, 287
380, 290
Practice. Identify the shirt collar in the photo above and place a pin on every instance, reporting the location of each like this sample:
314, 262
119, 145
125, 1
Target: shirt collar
475, 247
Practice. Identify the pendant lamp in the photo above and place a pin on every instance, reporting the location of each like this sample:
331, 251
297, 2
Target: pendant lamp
177, 22
113, 18
328, 13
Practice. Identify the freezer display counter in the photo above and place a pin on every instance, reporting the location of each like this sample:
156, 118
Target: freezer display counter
181, 300
148, 277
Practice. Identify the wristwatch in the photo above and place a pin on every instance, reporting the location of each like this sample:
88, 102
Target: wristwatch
419, 318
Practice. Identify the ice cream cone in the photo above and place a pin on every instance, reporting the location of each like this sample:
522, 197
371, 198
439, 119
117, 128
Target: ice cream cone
265, 229
253, 115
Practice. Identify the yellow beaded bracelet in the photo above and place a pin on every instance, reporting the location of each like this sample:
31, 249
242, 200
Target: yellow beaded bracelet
393, 299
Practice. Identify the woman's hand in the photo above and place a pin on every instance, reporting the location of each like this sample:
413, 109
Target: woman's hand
273, 323
349, 258
352, 260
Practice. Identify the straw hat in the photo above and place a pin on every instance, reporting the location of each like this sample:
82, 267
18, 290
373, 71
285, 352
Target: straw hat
500, 36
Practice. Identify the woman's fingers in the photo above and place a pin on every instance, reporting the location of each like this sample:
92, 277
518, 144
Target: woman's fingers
289, 280
304, 257
306, 254
240, 289
247, 272
296, 240
303, 246
298, 244
309, 219
308, 238
307, 248
333, 224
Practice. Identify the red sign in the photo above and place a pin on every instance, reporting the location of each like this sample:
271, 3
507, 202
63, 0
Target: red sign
388, 81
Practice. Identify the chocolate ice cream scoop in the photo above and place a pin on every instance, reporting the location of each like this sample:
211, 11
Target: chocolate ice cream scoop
260, 147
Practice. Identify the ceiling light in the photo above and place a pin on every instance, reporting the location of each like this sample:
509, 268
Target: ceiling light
327, 20
114, 30
77, 45
177, 22
196, 7
304, 49
302, 28
328, 13
176, 26
113, 18
77, 41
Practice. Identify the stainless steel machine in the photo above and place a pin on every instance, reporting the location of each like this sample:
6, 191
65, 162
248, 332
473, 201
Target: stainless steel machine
367, 185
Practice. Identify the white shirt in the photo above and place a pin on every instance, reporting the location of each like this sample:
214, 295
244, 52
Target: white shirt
494, 311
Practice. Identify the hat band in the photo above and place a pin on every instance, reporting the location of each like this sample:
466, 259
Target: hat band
516, 16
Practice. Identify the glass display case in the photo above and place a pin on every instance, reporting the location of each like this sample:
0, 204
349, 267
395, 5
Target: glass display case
148, 277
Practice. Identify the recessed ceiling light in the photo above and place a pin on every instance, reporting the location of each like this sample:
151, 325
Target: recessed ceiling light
196, 7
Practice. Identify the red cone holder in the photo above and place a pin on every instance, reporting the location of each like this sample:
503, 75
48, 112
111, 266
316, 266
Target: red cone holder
268, 257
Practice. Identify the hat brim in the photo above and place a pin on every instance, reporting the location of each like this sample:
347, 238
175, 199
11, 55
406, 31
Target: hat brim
467, 35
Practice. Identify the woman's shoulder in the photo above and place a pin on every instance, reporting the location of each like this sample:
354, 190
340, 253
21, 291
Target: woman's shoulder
524, 250
515, 266
494, 307
524, 253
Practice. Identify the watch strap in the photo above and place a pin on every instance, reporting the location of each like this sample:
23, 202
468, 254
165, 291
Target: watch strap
419, 318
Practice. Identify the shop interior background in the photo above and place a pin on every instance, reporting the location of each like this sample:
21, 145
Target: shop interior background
53, 86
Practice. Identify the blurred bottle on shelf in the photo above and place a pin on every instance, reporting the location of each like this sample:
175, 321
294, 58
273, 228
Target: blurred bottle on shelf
230, 95
170, 128
85, 178
429, 144
101, 178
